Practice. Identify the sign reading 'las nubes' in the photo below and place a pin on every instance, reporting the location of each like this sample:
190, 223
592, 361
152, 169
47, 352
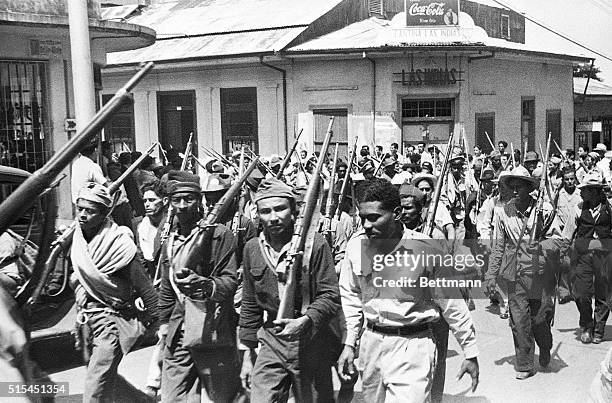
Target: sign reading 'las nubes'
431, 12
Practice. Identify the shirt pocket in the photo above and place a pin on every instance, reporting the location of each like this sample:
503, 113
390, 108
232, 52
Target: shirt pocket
265, 284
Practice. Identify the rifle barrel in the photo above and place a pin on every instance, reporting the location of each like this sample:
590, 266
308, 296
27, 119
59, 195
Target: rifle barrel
22, 199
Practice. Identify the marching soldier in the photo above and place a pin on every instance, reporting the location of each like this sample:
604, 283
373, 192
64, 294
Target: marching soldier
590, 225
106, 269
298, 354
529, 287
195, 364
426, 183
397, 349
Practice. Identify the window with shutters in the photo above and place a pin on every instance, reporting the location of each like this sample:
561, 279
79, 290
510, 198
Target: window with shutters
375, 7
553, 126
340, 129
485, 124
505, 26
239, 123
119, 130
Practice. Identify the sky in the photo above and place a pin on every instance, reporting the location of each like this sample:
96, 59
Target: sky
585, 21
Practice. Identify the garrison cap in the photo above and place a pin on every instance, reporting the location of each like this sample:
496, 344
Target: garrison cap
96, 193
273, 188
183, 181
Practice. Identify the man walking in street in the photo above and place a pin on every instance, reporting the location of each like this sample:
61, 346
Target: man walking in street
297, 353
530, 288
199, 357
397, 352
106, 270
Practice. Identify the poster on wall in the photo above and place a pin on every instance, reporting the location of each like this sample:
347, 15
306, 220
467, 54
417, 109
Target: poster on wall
431, 13
305, 122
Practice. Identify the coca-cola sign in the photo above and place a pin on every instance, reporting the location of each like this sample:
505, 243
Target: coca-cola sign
431, 12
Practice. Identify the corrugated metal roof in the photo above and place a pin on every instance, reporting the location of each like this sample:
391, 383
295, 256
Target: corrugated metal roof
375, 34
189, 17
223, 45
118, 12
595, 87
217, 28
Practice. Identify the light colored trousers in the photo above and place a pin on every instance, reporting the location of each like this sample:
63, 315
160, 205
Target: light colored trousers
397, 368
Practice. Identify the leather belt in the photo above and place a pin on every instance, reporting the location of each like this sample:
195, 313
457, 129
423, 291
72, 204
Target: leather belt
409, 330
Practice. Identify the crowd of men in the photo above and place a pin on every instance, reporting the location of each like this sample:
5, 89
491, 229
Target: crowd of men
542, 224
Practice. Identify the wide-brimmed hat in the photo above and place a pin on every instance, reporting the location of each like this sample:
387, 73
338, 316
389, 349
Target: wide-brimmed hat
531, 156
593, 154
555, 160
600, 147
456, 157
432, 179
592, 180
522, 173
494, 154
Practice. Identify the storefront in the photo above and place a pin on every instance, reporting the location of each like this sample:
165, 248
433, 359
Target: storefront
404, 79
593, 110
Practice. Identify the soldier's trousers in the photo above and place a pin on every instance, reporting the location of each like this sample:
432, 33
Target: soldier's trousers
282, 365
199, 376
589, 280
531, 311
106, 354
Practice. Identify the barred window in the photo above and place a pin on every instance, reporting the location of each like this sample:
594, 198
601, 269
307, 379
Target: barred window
22, 115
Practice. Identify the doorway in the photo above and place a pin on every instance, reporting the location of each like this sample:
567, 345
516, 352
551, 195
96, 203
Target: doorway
177, 120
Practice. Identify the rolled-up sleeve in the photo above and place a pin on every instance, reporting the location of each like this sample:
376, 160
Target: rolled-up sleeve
350, 294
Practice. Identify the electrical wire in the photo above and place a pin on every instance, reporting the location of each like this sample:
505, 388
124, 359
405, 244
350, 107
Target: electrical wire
541, 24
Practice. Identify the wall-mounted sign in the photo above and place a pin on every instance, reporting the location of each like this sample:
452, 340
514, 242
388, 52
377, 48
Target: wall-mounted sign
431, 12
432, 77
45, 48
588, 126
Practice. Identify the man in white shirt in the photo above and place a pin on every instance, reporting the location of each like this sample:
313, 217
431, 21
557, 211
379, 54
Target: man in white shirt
397, 351
85, 170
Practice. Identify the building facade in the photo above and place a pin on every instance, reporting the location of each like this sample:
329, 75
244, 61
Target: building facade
260, 81
593, 113
36, 82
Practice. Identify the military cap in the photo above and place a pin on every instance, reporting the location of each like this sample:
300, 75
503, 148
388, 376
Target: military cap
273, 188
183, 181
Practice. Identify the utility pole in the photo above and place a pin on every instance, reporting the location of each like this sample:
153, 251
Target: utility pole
82, 67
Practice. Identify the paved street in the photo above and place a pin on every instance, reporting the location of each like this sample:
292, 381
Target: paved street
571, 371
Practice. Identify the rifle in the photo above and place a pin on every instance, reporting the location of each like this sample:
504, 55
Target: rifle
300, 233
431, 212
347, 176
512, 155
202, 244
540, 200
236, 219
326, 228
171, 213
490, 142
287, 159
65, 239
24, 197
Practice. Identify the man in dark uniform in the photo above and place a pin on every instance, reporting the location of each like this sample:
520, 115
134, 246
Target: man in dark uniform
589, 224
299, 355
190, 367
